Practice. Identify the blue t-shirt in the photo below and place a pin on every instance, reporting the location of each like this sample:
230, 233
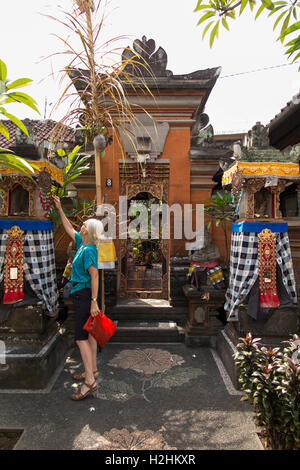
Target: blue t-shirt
86, 256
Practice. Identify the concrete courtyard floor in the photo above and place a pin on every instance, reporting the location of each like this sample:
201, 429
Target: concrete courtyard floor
150, 397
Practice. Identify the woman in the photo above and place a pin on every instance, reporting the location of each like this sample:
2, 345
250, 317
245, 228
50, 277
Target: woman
84, 294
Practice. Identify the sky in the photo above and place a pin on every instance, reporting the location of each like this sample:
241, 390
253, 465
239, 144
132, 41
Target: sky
243, 94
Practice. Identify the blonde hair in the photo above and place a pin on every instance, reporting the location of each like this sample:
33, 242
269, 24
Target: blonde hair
95, 231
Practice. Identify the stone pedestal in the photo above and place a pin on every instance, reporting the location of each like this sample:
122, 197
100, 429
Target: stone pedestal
204, 320
111, 286
275, 328
179, 268
33, 347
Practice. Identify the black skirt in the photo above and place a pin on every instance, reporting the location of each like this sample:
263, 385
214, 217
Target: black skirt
82, 305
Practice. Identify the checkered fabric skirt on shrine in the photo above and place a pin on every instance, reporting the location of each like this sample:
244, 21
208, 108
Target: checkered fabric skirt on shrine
244, 269
39, 265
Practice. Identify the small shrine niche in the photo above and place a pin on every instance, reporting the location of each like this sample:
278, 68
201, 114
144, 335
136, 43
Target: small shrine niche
22, 197
17, 196
18, 201
263, 204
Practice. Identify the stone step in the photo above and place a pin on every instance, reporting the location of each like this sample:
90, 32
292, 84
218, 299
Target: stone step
148, 332
147, 310
145, 321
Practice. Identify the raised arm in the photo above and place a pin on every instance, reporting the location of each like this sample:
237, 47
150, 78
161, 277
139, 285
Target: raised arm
65, 221
94, 285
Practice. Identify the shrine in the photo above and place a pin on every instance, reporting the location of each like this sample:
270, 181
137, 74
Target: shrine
262, 296
34, 344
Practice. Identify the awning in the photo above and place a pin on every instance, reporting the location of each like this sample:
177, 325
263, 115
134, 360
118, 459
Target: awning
262, 169
55, 173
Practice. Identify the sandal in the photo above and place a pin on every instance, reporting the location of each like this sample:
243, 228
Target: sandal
80, 396
82, 375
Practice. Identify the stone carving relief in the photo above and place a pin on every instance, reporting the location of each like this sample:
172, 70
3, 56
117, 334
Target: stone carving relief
145, 139
149, 62
253, 186
258, 136
201, 132
208, 252
276, 191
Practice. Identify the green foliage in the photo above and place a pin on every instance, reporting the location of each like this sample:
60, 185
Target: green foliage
7, 158
7, 95
220, 207
221, 210
76, 165
270, 377
219, 12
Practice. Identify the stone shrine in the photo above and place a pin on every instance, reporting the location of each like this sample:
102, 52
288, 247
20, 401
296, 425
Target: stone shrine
261, 297
33, 343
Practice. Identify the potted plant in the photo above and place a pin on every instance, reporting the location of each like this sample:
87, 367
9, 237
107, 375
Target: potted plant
221, 210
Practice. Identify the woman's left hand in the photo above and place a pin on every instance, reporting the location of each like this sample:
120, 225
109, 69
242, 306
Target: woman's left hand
94, 309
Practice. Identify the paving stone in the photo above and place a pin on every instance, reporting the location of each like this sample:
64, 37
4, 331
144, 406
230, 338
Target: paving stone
150, 396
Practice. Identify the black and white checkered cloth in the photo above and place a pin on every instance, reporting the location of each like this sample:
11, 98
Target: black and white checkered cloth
39, 265
244, 269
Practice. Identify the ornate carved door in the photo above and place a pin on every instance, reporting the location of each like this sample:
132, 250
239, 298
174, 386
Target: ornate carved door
144, 262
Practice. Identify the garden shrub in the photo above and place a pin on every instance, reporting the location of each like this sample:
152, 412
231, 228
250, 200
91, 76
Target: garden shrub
270, 378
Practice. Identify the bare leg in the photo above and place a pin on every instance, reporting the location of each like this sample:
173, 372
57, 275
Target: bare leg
87, 358
94, 346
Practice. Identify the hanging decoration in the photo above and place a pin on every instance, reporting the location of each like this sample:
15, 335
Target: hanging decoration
13, 266
237, 188
44, 182
267, 269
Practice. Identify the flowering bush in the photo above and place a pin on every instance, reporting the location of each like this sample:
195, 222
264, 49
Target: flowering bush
270, 378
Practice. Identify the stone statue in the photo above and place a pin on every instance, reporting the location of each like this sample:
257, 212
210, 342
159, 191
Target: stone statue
259, 136
209, 251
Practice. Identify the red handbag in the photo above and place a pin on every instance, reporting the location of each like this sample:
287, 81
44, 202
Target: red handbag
100, 327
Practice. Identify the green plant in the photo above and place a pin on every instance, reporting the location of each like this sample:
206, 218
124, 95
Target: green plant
217, 13
8, 95
76, 165
221, 210
270, 379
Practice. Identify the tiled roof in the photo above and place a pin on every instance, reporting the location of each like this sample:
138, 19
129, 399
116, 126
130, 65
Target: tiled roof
39, 131
290, 106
